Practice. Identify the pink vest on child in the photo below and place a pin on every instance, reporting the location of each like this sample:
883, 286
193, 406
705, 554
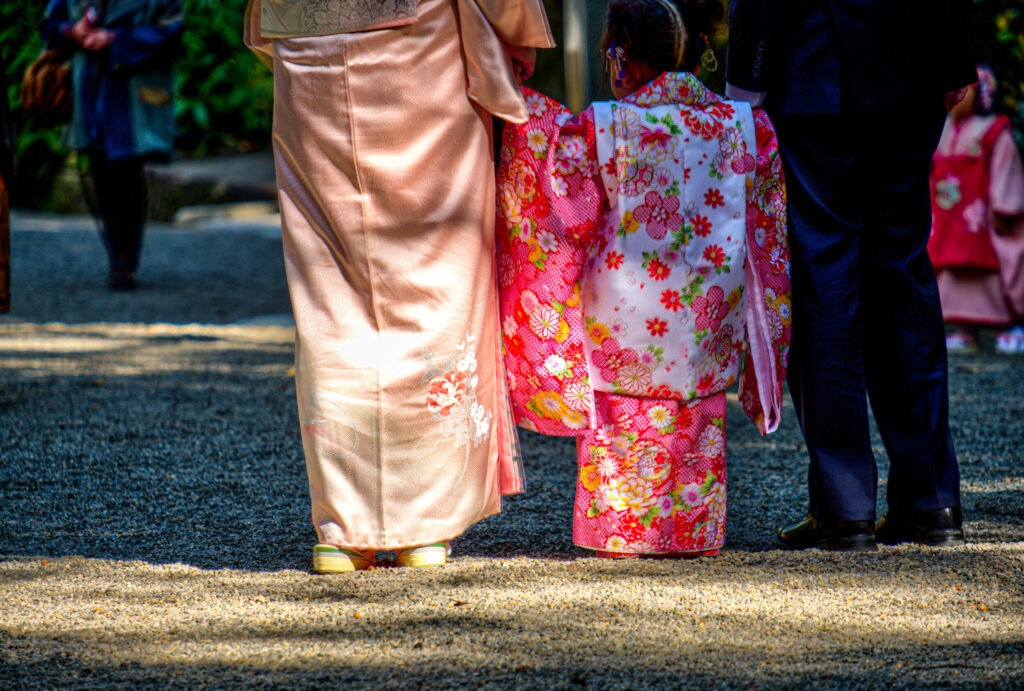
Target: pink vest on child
960, 206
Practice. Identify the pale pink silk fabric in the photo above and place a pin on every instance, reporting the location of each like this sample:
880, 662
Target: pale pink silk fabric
386, 185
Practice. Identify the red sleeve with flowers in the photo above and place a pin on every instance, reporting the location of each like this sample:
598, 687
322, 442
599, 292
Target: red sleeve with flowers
768, 284
550, 200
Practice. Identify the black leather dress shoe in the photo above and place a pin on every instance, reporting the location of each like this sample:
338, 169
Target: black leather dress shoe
121, 280
938, 528
844, 536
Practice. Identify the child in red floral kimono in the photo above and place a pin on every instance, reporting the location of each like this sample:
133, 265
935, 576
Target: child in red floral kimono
977, 241
643, 266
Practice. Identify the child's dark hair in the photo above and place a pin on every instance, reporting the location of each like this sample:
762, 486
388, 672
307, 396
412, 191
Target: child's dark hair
647, 31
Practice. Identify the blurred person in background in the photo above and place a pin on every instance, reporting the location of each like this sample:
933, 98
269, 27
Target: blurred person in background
123, 111
385, 173
977, 241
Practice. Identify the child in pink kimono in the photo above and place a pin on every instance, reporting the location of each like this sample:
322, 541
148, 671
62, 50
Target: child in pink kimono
977, 240
643, 267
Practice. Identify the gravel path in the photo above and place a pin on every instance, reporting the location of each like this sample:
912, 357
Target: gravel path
154, 527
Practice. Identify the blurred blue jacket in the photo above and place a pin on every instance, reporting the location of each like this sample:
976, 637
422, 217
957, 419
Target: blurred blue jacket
123, 95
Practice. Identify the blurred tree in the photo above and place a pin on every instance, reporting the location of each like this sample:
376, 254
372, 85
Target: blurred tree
998, 39
225, 95
549, 77
39, 151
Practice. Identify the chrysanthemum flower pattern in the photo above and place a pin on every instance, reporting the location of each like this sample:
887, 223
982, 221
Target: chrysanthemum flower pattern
624, 232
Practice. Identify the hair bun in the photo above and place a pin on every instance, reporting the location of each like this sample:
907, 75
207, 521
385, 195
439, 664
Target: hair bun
642, 29
701, 16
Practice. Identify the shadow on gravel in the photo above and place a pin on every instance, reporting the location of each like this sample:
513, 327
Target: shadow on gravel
201, 463
208, 277
173, 444
467, 651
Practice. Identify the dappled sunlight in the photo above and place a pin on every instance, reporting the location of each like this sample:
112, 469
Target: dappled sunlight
115, 349
487, 616
170, 456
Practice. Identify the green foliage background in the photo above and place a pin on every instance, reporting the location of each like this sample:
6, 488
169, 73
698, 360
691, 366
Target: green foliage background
998, 39
39, 152
225, 95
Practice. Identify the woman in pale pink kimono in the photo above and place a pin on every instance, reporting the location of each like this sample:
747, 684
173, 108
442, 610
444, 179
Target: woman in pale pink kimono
643, 265
382, 141
977, 241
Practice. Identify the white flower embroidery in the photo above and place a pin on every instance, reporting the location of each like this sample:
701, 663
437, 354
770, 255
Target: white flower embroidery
712, 442
509, 326
659, 416
557, 366
544, 321
481, 423
537, 141
536, 104
452, 399
547, 241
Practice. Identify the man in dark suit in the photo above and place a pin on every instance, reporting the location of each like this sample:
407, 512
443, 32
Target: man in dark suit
856, 89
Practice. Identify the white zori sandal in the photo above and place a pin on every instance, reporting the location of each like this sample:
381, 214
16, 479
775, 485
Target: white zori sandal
427, 555
1011, 341
333, 559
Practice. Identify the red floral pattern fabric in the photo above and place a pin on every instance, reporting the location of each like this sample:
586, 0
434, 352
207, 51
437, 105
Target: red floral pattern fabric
643, 264
652, 476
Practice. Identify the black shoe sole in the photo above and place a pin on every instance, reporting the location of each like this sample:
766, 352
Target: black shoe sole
944, 537
856, 543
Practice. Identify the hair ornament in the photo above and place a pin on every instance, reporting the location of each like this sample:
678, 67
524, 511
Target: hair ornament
616, 58
708, 60
986, 99
678, 29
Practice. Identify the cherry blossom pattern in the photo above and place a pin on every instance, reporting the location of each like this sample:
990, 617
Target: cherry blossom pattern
710, 309
659, 214
452, 399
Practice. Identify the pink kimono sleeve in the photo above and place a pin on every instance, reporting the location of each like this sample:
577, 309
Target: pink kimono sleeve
549, 202
768, 282
1006, 194
1006, 174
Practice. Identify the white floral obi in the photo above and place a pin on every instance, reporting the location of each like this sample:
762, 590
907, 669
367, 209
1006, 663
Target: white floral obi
291, 18
664, 295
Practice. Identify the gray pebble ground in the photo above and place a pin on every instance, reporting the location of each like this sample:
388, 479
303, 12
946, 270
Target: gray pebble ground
154, 523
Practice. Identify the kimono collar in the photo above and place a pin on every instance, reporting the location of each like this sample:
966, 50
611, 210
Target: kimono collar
673, 87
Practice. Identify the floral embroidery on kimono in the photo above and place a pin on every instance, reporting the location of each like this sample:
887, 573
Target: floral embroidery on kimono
643, 267
652, 477
452, 398
540, 256
679, 245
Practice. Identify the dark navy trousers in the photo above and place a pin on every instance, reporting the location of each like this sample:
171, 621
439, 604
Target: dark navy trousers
866, 315
121, 198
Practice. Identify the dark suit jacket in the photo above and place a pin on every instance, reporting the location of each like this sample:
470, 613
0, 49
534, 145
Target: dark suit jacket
831, 56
